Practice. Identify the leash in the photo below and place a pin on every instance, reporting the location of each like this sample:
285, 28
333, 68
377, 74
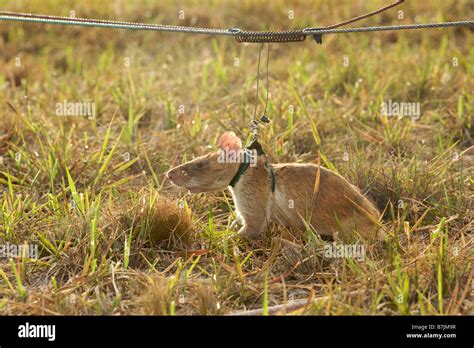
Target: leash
254, 125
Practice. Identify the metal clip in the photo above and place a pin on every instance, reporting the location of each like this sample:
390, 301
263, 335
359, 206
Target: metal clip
318, 38
264, 119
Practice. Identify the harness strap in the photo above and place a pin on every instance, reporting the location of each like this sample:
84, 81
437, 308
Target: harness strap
271, 174
242, 169
246, 164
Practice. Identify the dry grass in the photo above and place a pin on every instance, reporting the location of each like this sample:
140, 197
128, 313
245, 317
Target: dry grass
158, 220
115, 237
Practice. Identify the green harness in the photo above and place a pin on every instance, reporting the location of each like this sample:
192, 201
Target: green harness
246, 163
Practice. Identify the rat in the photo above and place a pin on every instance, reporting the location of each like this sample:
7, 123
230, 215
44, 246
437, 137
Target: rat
286, 193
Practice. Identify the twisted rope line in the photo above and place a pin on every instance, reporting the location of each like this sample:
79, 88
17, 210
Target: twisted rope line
240, 35
367, 15
104, 23
311, 31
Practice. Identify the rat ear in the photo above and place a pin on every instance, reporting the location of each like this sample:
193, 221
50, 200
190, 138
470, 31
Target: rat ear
230, 141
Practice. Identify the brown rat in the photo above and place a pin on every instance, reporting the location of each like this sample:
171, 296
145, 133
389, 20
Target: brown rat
283, 193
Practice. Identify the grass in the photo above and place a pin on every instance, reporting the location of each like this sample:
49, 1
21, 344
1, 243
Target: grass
92, 192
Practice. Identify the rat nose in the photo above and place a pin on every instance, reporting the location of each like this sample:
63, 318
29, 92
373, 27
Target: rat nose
175, 175
171, 174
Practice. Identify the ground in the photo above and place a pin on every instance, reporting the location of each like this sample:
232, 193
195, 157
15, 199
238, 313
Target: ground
115, 237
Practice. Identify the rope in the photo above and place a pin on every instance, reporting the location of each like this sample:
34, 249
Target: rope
103, 23
247, 36
255, 123
258, 80
258, 84
240, 35
311, 31
267, 87
367, 15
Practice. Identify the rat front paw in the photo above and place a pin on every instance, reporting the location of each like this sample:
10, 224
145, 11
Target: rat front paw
249, 233
234, 224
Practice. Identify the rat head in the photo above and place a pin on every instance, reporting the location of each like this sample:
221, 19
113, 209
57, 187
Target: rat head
211, 172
